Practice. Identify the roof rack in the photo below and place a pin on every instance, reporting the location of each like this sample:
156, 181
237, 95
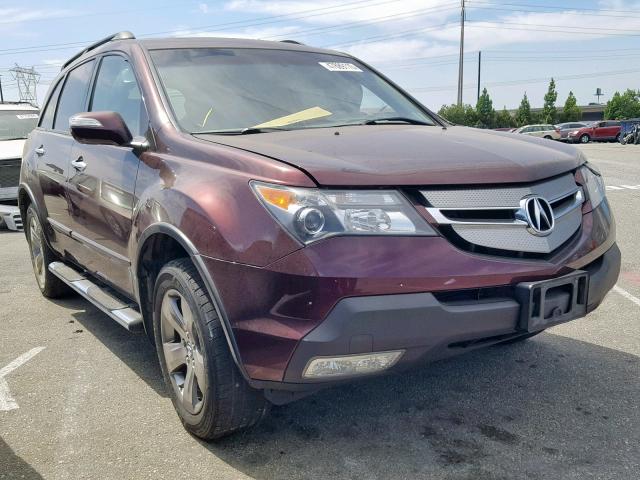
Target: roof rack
292, 41
125, 35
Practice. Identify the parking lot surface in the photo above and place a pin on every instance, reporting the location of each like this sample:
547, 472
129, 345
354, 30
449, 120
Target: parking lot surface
563, 405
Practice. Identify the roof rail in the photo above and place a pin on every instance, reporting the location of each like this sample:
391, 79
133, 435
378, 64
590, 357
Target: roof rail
125, 35
292, 41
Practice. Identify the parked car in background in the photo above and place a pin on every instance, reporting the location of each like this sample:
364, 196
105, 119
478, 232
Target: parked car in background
543, 131
277, 234
603, 131
567, 127
16, 122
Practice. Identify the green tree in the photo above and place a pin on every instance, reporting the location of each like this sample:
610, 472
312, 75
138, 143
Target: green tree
504, 119
549, 111
523, 115
453, 113
484, 110
623, 106
571, 111
459, 114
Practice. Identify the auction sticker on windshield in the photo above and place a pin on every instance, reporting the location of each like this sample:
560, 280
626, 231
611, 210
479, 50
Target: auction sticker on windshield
340, 67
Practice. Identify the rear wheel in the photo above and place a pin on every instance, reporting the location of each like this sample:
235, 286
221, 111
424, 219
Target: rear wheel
208, 391
585, 138
41, 256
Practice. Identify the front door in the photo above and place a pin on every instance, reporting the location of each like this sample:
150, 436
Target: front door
102, 178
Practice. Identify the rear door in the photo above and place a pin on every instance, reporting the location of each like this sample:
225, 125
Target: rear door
102, 178
49, 149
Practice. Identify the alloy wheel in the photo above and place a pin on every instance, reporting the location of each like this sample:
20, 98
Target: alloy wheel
37, 251
183, 351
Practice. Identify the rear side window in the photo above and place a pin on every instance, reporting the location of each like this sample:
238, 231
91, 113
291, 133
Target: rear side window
50, 110
117, 90
74, 95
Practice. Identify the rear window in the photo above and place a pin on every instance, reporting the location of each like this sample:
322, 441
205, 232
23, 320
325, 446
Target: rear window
17, 124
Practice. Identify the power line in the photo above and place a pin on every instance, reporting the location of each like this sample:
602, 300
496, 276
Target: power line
329, 10
527, 80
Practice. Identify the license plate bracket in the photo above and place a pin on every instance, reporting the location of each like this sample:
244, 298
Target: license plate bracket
546, 303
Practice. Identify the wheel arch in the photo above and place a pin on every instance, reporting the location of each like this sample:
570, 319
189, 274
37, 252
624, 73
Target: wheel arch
174, 244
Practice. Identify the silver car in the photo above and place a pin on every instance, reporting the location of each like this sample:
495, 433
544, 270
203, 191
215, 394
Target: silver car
543, 131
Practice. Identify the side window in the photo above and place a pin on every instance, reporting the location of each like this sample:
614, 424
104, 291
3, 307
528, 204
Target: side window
116, 90
46, 119
73, 96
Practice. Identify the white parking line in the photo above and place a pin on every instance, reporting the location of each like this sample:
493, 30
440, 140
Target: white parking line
7, 402
613, 188
626, 295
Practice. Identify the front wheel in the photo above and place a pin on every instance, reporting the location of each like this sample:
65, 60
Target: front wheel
585, 138
41, 256
208, 391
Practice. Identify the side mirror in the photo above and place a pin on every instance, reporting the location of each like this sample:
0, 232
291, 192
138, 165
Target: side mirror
100, 128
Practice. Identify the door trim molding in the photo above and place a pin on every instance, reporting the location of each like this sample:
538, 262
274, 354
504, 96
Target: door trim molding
87, 241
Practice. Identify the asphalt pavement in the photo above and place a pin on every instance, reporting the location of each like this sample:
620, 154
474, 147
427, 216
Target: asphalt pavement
563, 405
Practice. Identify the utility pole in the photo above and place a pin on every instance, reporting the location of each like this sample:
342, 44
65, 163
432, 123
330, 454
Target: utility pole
479, 64
1, 94
27, 79
460, 66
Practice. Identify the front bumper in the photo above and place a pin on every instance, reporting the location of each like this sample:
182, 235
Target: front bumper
426, 325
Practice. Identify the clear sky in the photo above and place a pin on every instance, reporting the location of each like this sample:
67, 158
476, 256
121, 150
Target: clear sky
583, 44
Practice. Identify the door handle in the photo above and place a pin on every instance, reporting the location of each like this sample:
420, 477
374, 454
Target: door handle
79, 164
40, 150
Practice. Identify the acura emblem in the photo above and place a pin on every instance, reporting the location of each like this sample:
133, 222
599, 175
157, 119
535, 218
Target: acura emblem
538, 214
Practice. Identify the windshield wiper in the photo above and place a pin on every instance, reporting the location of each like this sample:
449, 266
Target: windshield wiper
250, 130
243, 131
412, 121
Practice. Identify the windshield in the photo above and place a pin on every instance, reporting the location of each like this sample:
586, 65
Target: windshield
231, 90
17, 124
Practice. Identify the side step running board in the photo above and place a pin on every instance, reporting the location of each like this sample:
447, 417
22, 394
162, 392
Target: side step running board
125, 314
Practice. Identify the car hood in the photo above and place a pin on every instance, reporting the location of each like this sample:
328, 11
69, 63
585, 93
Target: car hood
409, 154
11, 149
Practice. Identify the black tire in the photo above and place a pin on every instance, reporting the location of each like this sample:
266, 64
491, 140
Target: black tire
521, 338
226, 403
548, 137
41, 256
584, 138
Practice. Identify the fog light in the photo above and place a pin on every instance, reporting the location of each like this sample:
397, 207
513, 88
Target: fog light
348, 365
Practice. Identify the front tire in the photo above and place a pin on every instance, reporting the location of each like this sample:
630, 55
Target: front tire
585, 138
208, 391
41, 256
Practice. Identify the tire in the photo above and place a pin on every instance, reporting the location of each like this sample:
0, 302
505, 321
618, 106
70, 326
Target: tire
548, 137
41, 256
221, 401
584, 138
521, 338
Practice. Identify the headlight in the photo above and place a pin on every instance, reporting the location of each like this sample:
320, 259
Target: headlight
310, 214
594, 184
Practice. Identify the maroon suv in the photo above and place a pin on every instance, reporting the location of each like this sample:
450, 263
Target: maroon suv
279, 218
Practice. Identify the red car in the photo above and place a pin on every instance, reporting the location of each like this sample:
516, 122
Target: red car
605, 131
279, 218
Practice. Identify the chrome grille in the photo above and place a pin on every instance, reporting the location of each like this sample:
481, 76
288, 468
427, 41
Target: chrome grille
495, 217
